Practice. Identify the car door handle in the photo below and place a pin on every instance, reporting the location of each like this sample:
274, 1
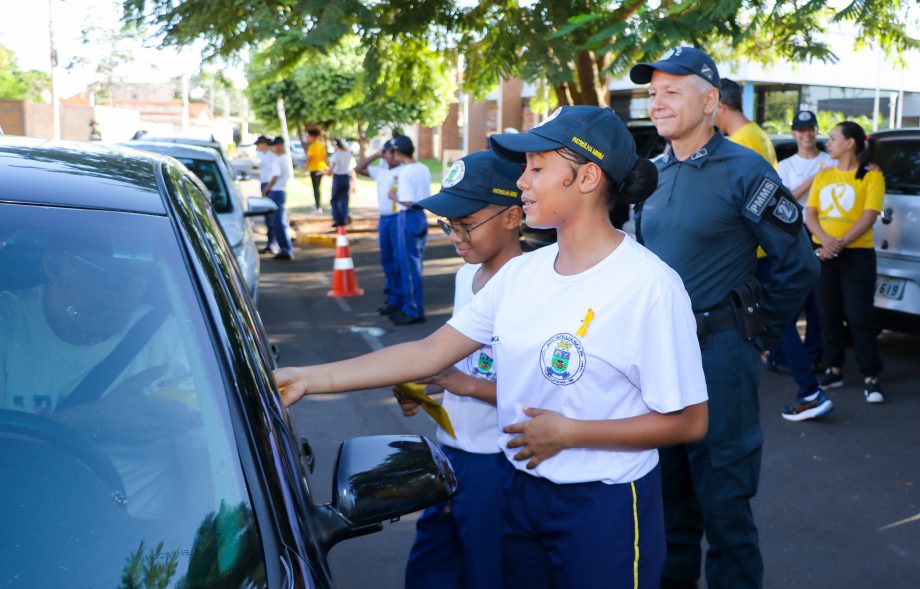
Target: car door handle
887, 214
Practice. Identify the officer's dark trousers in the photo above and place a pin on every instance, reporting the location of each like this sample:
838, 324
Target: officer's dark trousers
846, 290
708, 485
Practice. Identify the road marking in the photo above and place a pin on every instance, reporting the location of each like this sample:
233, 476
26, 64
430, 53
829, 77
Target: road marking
908, 520
369, 334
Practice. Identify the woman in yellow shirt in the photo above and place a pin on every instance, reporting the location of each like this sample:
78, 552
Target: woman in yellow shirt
843, 204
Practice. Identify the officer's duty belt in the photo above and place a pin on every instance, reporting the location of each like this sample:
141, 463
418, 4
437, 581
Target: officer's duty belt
713, 321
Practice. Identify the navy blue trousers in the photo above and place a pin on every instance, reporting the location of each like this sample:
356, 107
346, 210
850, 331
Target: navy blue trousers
270, 230
708, 485
386, 232
412, 233
582, 535
341, 186
458, 543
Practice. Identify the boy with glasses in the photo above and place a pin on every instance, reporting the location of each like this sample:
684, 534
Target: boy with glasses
457, 544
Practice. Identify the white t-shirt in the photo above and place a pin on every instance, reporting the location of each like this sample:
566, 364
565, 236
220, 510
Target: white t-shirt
386, 178
37, 368
266, 167
414, 183
341, 162
639, 353
475, 422
279, 167
795, 169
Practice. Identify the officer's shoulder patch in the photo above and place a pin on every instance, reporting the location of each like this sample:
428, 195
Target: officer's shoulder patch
785, 214
759, 200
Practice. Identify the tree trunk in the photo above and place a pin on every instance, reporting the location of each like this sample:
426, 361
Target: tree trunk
363, 141
593, 90
563, 95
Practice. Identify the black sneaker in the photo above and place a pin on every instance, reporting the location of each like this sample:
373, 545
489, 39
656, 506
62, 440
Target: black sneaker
873, 392
830, 379
387, 309
284, 256
403, 319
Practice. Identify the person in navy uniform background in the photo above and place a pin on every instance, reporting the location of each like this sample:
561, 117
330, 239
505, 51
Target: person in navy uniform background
717, 201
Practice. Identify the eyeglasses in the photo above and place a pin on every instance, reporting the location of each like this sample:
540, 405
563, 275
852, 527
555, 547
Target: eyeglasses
462, 229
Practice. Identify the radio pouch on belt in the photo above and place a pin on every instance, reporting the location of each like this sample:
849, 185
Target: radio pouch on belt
745, 299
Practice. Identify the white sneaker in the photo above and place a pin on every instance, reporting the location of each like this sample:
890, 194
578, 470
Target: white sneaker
873, 392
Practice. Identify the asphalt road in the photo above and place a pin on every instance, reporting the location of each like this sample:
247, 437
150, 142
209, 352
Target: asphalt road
839, 503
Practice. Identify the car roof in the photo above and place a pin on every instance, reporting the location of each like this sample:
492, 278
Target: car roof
79, 174
186, 140
889, 133
174, 149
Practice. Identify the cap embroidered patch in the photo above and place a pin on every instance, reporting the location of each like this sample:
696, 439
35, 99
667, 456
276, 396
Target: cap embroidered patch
454, 175
504, 192
549, 118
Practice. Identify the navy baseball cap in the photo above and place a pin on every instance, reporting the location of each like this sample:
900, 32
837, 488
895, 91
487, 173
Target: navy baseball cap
473, 183
594, 132
680, 61
387, 145
402, 144
803, 119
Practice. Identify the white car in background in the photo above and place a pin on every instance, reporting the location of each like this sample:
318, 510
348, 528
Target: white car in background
232, 210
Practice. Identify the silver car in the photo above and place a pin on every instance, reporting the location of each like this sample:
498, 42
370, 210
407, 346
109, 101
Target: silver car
897, 230
232, 210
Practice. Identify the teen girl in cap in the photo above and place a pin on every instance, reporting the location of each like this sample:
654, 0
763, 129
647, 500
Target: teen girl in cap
600, 365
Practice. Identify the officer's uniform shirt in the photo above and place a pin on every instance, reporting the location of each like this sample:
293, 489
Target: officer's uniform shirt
414, 183
707, 217
637, 353
475, 422
386, 179
279, 168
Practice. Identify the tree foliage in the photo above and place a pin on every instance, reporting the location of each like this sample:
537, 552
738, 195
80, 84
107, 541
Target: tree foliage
16, 84
575, 45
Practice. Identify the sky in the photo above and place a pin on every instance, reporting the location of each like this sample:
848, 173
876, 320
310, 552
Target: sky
24, 30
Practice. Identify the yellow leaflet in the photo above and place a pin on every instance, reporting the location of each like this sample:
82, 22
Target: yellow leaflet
431, 407
589, 316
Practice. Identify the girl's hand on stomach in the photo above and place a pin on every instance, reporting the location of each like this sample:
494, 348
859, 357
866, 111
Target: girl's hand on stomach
542, 437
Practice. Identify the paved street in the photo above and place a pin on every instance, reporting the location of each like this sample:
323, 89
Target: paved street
839, 504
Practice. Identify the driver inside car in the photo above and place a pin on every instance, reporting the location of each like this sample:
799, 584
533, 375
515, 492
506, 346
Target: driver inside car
88, 349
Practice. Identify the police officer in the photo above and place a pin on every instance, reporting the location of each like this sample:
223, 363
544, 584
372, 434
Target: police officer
715, 203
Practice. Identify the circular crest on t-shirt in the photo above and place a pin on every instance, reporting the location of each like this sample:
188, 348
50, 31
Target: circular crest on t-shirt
454, 174
482, 365
562, 359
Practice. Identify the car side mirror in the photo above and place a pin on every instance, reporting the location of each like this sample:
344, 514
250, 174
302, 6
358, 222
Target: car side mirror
380, 478
259, 205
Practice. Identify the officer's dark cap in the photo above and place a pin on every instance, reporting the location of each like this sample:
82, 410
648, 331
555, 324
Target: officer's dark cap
279, 140
473, 183
403, 145
263, 139
680, 61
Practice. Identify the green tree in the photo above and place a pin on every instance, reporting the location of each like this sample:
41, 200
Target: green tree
334, 91
16, 84
573, 44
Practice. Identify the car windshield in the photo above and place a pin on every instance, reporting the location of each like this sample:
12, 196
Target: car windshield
119, 460
209, 173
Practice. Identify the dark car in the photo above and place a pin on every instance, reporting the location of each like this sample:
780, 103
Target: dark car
142, 440
648, 145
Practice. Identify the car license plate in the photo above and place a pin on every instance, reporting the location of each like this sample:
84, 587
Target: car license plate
890, 288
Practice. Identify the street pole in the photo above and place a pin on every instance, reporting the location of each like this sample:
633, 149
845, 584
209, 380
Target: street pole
185, 107
55, 99
282, 117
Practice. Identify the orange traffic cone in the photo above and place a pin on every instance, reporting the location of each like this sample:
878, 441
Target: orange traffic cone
344, 281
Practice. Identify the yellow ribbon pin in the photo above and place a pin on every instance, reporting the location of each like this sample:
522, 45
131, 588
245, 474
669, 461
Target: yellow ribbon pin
589, 316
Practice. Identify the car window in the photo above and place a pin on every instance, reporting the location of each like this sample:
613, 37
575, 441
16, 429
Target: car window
209, 173
900, 163
119, 459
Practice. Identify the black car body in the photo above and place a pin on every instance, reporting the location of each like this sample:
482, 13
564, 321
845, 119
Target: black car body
156, 452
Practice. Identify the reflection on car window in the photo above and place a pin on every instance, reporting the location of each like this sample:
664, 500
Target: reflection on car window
115, 438
208, 172
900, 162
